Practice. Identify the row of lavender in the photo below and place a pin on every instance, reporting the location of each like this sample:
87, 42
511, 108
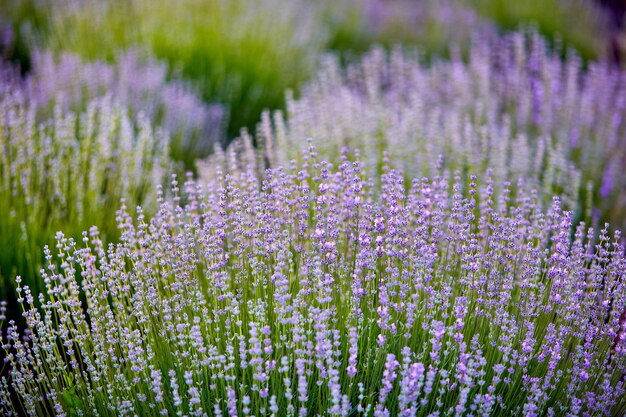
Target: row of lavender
515, 108
419, 255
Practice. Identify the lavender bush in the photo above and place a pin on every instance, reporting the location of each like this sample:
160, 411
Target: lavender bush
240, 53
305, 294
141, 84
515, 107
68, 174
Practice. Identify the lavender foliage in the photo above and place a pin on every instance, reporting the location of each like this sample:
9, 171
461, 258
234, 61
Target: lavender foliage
69, 173
308, 293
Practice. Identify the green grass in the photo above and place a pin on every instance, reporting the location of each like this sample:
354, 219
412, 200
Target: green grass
20, 22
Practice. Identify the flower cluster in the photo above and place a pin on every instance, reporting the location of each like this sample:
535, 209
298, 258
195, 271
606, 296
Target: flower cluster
514, 107
314, 291
69, 173
69, 84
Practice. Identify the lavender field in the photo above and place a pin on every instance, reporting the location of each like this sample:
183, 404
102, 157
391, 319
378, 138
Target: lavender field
312, 208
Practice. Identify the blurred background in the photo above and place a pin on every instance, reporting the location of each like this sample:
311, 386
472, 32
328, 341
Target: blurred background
244, 54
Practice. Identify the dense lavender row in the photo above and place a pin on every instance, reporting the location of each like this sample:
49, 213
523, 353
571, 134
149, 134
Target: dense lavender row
67, 83
307, 295
69, 173
515, 107
432, 25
